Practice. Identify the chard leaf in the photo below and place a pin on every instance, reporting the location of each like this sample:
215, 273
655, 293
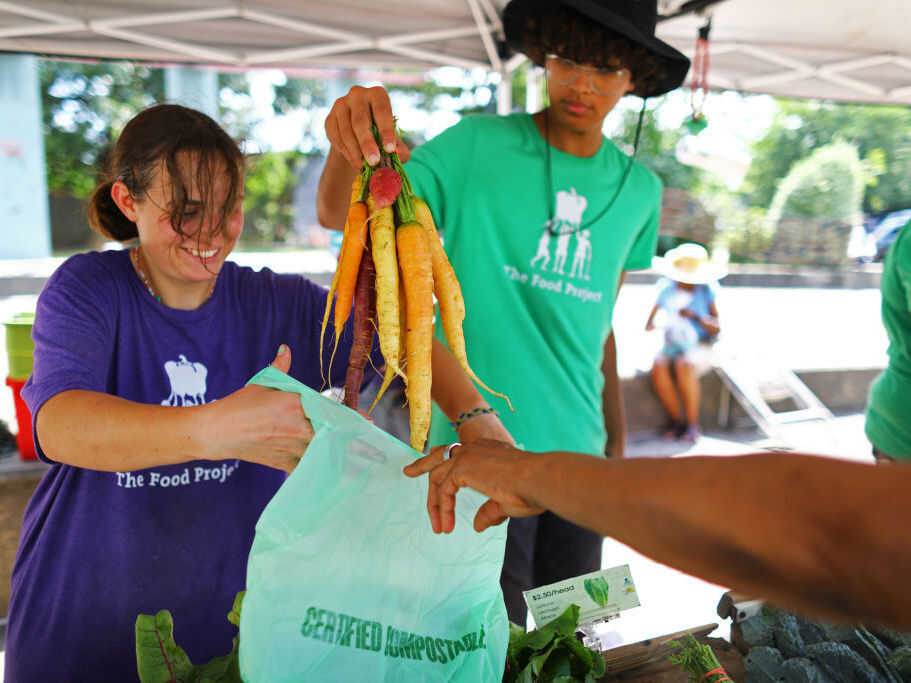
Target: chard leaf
158, 658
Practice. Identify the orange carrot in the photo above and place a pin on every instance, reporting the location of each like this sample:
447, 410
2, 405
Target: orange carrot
448, 293
340, 274
417, 276
353, 250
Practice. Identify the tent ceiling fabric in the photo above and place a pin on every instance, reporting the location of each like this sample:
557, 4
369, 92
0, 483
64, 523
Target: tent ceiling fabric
830, 49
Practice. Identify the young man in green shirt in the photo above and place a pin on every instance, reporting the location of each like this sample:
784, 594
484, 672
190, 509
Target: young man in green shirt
889, 407
541, 216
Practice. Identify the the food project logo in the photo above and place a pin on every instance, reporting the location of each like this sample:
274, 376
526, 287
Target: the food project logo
188, 382
563, 231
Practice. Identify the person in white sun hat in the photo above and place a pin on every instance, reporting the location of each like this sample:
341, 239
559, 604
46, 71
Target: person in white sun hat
687, 297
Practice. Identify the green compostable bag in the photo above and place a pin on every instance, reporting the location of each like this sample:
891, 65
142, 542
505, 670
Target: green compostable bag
346, 581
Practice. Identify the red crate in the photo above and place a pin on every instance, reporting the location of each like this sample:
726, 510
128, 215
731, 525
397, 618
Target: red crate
24, 439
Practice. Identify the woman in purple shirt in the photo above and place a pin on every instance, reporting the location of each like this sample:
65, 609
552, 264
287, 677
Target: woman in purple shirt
161, 458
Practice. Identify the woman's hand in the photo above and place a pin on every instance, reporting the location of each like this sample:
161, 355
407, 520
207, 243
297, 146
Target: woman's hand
489, 467
259, 425
348, 126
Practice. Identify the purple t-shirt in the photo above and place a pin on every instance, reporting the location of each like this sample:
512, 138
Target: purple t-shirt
99, 548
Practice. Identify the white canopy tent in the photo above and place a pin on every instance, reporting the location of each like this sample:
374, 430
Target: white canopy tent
830, 49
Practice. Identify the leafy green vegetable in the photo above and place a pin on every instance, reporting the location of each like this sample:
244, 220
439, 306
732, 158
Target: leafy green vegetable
551, 654
597, 589
698, 661
160, 660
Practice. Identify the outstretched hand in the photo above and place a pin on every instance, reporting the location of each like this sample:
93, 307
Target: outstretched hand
492, 468
349, 126
260, 425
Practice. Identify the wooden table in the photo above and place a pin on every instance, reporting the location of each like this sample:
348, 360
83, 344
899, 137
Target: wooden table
648, 660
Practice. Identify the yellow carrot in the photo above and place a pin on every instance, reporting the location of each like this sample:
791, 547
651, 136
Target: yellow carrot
449, 294
417, 276
382, 238
389, 373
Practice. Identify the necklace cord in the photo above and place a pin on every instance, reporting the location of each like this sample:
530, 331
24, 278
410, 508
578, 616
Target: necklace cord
550, 179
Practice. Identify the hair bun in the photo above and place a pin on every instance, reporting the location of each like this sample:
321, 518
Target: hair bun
105, 216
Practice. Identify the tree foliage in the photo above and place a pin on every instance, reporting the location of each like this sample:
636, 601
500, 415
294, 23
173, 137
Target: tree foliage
827, 184
881, 134
656, 150
85, 106
268, 206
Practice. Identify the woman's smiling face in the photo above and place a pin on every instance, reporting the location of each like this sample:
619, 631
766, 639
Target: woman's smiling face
196, 252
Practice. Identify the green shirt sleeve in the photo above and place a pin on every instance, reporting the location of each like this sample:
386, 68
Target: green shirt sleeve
643, 249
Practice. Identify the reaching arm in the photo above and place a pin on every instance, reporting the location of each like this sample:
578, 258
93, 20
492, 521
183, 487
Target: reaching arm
822, 536
650, 323
612, 397
454, 392
103, 432
348, 128
612, 401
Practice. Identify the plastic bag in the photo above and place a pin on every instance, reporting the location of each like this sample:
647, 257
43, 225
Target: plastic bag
346, 580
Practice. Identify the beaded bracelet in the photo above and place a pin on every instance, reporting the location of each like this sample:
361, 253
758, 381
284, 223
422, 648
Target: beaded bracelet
461, 419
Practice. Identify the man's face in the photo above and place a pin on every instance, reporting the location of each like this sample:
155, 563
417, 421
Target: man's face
581, 95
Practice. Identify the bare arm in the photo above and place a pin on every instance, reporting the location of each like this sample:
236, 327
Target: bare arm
612, 401
822, 536
348, 128
612, 397
650, 323
454, 392
103, 432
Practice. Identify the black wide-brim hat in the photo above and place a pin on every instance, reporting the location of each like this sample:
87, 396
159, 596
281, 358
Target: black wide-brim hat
635, 20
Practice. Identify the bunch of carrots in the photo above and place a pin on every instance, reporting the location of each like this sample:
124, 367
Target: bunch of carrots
390, 267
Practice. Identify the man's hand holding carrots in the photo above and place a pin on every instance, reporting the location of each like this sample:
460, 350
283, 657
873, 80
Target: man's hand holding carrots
348, 126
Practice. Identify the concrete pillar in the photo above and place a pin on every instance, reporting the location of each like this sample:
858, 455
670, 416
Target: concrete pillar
25, 227
192, 87
504, 93
534, 77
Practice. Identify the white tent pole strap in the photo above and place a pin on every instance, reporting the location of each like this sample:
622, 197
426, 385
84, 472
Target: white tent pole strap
15, 8
301, 26
38, 30
492, 15
165, 44
859, 63
429, 36
168, 18
434, 57
504, 94
303, 53
851, 83
492, 53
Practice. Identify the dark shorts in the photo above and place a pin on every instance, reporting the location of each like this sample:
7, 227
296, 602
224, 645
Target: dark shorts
541, 550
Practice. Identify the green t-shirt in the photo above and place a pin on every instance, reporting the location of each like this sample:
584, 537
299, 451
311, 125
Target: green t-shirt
538, 306
888, 406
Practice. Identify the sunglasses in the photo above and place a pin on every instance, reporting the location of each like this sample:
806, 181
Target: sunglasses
565, 71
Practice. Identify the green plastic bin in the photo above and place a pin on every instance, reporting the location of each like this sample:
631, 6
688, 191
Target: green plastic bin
19, 345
